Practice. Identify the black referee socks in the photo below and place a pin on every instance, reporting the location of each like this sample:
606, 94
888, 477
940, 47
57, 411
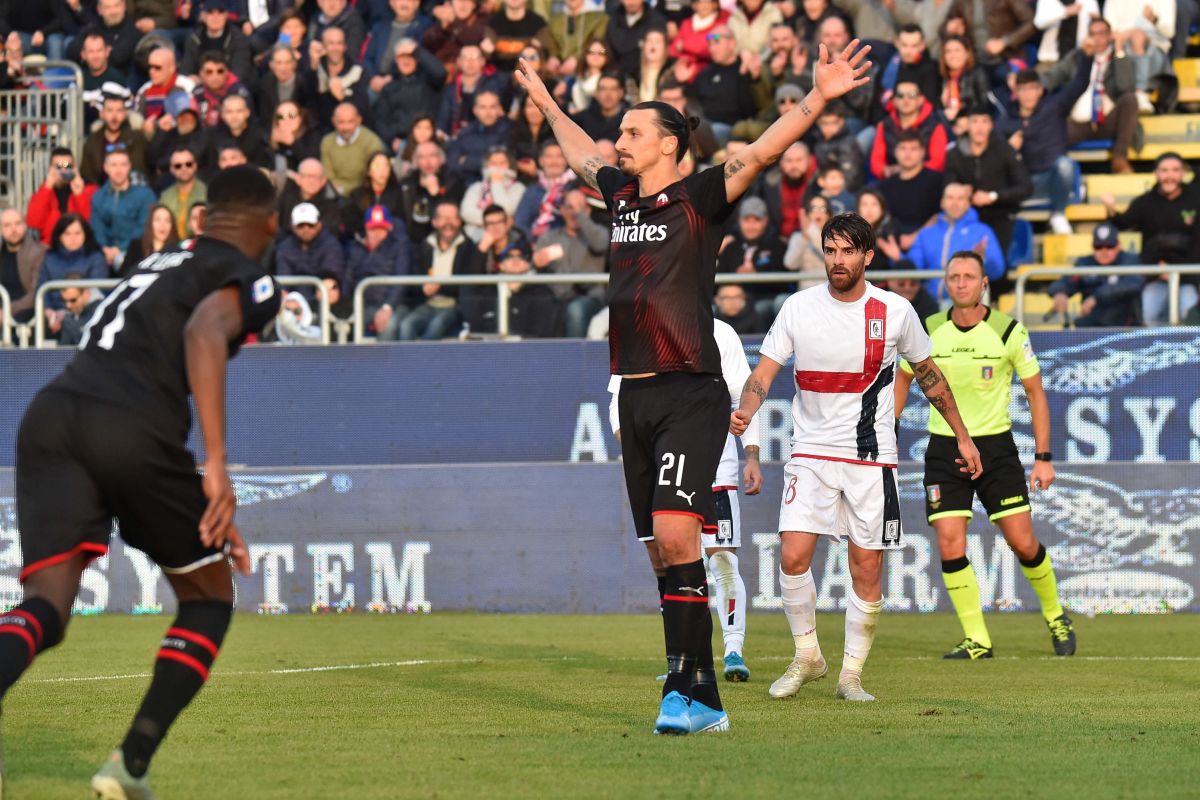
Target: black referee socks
688, 627
184, 659
25, 631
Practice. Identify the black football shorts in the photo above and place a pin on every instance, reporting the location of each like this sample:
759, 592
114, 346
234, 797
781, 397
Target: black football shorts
1001, 488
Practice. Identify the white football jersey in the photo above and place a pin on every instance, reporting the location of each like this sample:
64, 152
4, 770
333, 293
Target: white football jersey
735, 369
845, 367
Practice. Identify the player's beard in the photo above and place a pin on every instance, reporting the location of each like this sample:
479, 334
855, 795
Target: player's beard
845, 277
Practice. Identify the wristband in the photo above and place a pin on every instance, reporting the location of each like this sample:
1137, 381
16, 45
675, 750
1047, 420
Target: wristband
1047, 456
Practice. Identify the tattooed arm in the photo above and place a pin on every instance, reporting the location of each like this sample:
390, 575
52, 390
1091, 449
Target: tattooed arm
581, 152
833, 79
937, 390
753, 394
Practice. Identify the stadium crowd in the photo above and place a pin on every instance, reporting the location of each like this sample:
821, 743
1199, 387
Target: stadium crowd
400, 143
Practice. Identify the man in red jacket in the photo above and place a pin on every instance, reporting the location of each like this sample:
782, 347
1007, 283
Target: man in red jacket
64, 192
908, 110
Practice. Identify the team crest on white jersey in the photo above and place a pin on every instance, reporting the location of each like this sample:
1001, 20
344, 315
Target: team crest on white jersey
876, 329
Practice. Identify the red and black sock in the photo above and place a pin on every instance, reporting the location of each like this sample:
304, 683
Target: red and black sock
184, 659
687, 625
25, 631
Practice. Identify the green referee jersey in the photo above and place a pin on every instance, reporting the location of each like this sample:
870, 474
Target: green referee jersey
979, 363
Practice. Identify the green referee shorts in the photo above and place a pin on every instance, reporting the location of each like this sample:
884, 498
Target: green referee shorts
1001, 488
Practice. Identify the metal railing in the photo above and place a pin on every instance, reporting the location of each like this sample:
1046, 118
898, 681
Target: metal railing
34, 121
6, 325
1172, 271
39, 300
504, 291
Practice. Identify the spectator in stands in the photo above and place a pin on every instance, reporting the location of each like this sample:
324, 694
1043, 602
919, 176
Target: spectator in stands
498, 186
805, 249
261, 21
628, 29
118, 29
911, 62
119, 208
579, 89
914, 291
602, 119
529, 133
578, 245
43, 26
184, 132
865, 110
908, 110
653, 70
1038, 132
999, 180
230, 154
533, 310
215, 33
570, 30
689, 48
787, 59
873, 208
152, 97
478, 303
413, 91
345, 151
964, 84
510, 30
751, 23
457, 107
914, 194
79, 305
834, 143
1108, 300
420, 131
754, 248
725, 86
310, 249
490, 129
20, 262
100, 79
1064, 27
114, 130
1166, 217
704, 143
186, 190
785, 186
72, 248
337, 79
734, 310
870, 21
430, 182
539, 206
159, 233
812, 14
383, 251
293, 138
1108, 106
457, 23
831, 184
282, 83
293, 32
786, 98
216, 83
63, 192
1002, 33
407, 22
237, 128
342, 15
379, 187
957, 228
434, 310
310, 185
1144, 30
197, 215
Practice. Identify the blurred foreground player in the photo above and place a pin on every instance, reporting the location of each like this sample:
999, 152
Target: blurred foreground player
845, 337
720, 541
110, 433
665, 236
979, 348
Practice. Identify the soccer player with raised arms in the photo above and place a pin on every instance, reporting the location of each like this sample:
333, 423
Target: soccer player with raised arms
845, 337
666, 233
979, 349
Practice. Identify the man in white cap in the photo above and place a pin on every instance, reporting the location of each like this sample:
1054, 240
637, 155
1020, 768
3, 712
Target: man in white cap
310, 249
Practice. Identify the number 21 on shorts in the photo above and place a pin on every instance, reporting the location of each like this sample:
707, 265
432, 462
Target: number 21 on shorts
669, 463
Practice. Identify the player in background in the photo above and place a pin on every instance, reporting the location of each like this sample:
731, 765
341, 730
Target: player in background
979, 349
720, 542
845, 337
663, 252
110, 433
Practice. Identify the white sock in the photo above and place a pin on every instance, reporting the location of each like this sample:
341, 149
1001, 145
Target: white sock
861, 619
800, 606
731, 599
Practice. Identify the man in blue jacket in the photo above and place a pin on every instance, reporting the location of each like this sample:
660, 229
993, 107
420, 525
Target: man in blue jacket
310, 249
119, 208
957, 228
1108, 300
384, 251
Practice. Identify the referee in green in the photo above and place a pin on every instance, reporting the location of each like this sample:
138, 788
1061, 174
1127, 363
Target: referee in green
978, 349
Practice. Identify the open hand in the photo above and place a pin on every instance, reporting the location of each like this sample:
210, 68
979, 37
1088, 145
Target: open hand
834, 78
529, 80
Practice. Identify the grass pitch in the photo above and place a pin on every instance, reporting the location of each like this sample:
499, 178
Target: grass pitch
538, 706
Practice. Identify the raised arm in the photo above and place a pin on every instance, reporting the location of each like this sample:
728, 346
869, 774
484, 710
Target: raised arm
753, 394
831, 80
937, 390
581, 152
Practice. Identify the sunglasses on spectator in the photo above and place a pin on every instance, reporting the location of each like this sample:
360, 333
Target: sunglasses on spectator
114, 147
1108, 246
183, 164
305, 225
716, 37
597, 51
282, 117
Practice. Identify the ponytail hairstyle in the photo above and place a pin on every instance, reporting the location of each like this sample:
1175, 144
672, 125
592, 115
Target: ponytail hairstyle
670, 122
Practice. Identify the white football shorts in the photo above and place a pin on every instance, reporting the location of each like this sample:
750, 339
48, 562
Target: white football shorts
840, 499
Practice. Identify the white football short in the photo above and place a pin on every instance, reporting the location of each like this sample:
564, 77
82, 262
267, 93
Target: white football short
728, 532
840, 499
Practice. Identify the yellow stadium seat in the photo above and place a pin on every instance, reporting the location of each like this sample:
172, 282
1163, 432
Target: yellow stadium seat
1187, 70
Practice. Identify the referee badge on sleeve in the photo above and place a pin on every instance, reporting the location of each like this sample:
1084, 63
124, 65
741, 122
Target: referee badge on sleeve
262, 289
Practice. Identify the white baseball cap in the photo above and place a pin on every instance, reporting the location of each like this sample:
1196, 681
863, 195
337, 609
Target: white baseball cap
305, 214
